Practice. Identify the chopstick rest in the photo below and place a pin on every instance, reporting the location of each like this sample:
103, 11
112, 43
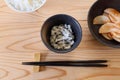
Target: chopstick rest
38, 58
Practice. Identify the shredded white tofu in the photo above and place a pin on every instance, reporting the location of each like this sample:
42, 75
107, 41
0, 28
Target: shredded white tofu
25, 5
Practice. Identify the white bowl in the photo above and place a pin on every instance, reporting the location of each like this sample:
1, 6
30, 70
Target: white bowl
13, 8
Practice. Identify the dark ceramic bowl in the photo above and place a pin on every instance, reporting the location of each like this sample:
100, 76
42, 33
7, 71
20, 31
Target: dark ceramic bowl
57, 20
96, 10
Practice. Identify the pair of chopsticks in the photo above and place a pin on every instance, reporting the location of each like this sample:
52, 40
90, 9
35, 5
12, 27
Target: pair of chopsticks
86, 63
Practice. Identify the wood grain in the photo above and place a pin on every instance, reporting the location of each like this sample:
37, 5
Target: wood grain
20, 39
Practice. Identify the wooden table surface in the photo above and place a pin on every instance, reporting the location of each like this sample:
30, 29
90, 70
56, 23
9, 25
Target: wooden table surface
20, 39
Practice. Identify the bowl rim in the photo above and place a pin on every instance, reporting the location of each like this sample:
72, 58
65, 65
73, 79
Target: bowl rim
11, 7
62, 51
93, 34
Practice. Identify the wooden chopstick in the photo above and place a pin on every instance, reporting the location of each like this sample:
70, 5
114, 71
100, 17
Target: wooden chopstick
89, 63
